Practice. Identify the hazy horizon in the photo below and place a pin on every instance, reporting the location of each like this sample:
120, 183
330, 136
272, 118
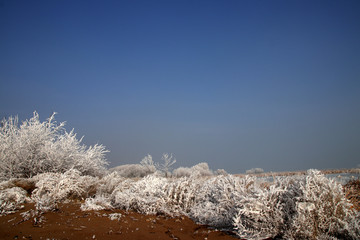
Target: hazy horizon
236, 84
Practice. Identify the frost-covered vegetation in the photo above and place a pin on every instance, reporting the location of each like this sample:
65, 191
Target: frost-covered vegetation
34, 147
306, 207
254, 171
43, 164
147, 166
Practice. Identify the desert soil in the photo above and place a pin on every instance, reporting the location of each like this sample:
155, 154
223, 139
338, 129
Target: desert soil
69, 222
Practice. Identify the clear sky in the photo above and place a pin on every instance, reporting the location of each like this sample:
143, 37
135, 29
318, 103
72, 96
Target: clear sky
237, 84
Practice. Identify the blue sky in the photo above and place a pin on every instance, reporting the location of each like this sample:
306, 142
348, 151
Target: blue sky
237, 84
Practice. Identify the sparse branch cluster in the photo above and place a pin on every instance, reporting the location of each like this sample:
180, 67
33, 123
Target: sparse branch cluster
169, 160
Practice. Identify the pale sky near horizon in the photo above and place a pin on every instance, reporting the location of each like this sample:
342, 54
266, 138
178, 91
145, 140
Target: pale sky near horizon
236, 84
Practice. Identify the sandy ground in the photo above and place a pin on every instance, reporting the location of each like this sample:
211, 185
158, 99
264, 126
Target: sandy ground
69, 222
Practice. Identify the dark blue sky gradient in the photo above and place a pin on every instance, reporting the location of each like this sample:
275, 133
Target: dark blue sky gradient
237, 84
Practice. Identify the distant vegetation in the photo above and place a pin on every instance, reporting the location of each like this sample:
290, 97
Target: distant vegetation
254, 171
43, 164
147, 166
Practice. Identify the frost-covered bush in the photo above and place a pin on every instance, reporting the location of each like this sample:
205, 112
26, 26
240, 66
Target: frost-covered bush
323, 210
156, 194
266, 210
35, 147
12, 199
104, 190
201, 169
255, 171
146, 167
131, 170
107, 184
313, 207
145, 195
217, 199
54, 188
182, 172
181, 194
148, 164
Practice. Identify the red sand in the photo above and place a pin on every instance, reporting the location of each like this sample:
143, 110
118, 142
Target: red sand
69, 222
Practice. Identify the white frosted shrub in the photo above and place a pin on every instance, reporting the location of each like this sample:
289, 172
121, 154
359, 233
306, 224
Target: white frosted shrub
12, 199
313, 207
255, 171
53, 188
201, 169
181, 195
35, 147
104, 189
132, 170
323, 210
182, 172
155, 194
21, 146
67, 152
217, 199
107, 184
146, 167
267, 209
148, 164
145, 195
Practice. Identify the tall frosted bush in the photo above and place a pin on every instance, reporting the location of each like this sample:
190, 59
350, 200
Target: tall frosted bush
217, 200
34, 147
266, 210
323, 211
